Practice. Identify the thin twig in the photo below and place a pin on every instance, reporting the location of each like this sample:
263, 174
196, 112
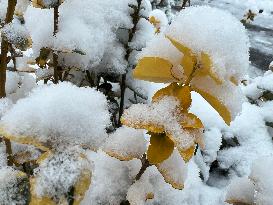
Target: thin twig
135, 19
145, 165
8, 152
55, 55
5, 48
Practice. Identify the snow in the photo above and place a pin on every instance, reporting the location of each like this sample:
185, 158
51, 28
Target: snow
111, 179
78, 30
59, 172
16, 34
241, 190
79, 117
174, 170
163, 114
125, 144
215, 32
262, 177
13, 186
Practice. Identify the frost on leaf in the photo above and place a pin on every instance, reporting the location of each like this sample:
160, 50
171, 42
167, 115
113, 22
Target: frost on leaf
125, 144
174, 170
14, 187
79, 118
58, 173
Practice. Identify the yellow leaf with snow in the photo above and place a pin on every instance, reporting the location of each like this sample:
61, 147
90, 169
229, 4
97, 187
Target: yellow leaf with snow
182, 93
191, 62
187, 154
23, 140
191, 121
174, 170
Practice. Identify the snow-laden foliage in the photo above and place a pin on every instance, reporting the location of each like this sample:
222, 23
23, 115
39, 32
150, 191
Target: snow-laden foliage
14, 187
50, 115
59, 172
86, 27
125, 144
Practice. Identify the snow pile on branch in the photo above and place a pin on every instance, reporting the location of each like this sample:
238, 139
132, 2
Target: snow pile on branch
111, 179
86, 31
62, 113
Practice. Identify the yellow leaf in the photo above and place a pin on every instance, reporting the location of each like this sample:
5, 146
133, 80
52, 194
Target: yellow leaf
23, 140
188, 60
206, 68
216, 104
154, 21
82, 186
187, 154
150, 195
143, 125
160, 148
234, 80
191, 121
182, 93
154, 69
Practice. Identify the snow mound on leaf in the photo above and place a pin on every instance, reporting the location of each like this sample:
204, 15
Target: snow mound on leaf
63, 113
125, 144
217, 33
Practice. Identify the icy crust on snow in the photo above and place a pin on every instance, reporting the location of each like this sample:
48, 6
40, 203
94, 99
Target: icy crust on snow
217, 33
241, 190
164, 113
63, 112
262, 177
92, 35
59, 172
125, 144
